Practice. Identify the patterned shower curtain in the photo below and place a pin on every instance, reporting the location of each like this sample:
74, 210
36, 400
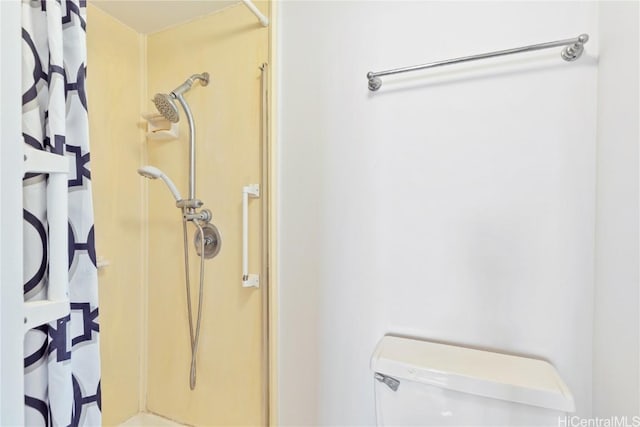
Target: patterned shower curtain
62, 359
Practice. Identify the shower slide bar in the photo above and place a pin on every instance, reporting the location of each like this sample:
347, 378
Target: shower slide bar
572, 51
56, 305
252, 7
248, 280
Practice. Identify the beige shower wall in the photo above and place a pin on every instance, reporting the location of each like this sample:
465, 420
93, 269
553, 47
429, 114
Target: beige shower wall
115, 88
230, 45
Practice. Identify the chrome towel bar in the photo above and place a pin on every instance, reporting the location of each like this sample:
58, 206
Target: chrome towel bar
572, 51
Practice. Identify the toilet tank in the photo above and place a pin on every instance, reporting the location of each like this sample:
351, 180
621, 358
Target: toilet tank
422, 383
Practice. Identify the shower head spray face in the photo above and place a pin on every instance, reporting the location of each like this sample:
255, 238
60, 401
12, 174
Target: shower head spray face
167, 107
152, 172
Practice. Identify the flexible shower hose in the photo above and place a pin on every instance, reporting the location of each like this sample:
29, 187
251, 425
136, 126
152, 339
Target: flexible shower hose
194, 335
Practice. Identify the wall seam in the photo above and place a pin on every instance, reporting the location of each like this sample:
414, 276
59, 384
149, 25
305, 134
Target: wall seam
144, 249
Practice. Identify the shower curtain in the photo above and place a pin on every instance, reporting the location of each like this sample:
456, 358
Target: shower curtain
62, 359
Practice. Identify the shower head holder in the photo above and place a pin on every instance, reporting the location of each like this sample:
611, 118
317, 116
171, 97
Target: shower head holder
189, 204
204, 216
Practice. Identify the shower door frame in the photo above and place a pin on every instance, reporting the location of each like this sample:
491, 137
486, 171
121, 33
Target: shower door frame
11, 171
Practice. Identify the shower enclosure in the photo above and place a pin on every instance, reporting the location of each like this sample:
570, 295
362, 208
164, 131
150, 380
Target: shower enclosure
148, 364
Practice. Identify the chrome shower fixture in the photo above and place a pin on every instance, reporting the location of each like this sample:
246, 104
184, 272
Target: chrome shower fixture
165, 102
207, 238
152, 172
212, 241
184, 87
165, 106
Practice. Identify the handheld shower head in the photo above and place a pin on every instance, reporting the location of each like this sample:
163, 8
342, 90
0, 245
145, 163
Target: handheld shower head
152, 172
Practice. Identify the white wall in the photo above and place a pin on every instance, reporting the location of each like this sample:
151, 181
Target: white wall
454, 205
617, 320
11, 172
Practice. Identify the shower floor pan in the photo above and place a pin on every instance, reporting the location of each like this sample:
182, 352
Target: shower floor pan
150, 420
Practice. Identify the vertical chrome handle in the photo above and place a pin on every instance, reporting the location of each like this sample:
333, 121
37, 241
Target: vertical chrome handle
248, 280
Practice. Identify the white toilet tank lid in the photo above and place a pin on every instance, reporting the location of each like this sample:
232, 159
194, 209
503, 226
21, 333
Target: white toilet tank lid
482, 373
